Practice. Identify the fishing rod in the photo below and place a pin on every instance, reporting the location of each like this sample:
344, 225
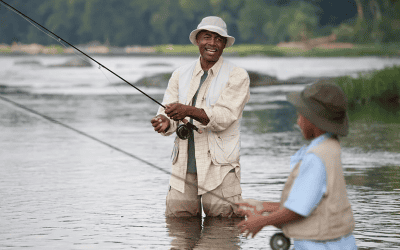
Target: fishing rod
183, 131
277, 242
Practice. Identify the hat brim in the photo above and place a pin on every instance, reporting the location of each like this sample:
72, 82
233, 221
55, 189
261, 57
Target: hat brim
230, 39
340, 128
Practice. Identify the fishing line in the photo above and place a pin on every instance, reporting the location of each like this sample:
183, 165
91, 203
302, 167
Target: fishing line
110, 146
183, 131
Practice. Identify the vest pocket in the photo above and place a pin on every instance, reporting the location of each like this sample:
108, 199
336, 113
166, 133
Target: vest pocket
231, 186
224, 149
307, 227
340, 219
175, 150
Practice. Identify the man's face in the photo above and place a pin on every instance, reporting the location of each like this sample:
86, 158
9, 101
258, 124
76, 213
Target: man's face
211, 45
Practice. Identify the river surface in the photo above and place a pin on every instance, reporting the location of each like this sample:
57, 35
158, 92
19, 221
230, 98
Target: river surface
61, 190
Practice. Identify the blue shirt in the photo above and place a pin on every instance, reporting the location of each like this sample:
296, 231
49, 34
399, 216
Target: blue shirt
308, 190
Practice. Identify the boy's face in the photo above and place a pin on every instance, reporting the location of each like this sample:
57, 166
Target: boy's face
307, 128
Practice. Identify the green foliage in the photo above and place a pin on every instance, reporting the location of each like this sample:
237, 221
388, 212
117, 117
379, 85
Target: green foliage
304, 20
381, 86
380, 23
177, 49
5, 50
274, 51
256, 49
344, 32
356, 51
155, 22
251, 20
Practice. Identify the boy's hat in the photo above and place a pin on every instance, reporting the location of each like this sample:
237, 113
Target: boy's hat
214, 24
324, 104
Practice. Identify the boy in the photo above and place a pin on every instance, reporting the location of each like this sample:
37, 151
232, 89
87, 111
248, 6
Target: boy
314, 209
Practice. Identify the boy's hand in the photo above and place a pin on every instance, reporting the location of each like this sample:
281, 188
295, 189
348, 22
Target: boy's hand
259, 206
252, 225
245, 209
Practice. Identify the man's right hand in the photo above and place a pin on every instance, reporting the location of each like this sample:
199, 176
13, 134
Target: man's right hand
160, 123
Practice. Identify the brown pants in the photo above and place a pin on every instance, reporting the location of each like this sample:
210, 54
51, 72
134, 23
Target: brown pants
189, 203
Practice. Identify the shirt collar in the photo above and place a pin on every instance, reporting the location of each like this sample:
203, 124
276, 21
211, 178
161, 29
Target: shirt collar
318, 140
298, 156
212, 71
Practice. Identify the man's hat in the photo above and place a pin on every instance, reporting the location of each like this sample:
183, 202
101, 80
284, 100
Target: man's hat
214, 24
324, 104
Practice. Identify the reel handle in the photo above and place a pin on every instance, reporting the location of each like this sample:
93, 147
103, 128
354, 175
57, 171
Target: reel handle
191, 126
184, 130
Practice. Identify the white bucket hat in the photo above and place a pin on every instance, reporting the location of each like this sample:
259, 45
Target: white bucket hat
214, 24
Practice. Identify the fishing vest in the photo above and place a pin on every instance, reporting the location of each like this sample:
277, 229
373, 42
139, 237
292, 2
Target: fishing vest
333, 217
224, 145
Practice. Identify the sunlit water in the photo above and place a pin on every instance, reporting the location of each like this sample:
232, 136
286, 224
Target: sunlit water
61, 190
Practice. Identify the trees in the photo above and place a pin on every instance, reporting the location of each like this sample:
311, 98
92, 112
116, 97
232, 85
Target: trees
376, 21
152, 22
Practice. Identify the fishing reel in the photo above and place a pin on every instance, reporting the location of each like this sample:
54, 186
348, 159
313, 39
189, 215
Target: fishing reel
183, 132
279, 242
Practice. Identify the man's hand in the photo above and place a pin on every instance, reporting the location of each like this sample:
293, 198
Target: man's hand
177, 111
160, 123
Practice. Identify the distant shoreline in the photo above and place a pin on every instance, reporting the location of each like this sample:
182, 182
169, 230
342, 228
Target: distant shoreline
281, 50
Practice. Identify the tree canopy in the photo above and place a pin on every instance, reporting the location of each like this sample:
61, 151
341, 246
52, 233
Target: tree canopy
154, 22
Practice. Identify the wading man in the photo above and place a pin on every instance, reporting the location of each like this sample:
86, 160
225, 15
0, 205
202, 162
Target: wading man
211, 93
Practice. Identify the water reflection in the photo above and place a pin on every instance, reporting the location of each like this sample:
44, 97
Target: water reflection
42, 158
373, 136
386, 178
374, 128
184, 231
210, 233
280, 118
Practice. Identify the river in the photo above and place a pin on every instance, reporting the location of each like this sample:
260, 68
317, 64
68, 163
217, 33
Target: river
61, 190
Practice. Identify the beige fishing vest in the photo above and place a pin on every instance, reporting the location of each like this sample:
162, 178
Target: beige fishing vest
224, 146
333, 217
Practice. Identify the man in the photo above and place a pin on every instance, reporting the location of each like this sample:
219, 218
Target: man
314, 209
211, 93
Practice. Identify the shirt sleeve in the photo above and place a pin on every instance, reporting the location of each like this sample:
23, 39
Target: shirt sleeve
309, 186
171, 95
231, 103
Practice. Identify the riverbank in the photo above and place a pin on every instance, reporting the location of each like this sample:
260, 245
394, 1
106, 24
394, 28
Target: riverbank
377, 87
280, 50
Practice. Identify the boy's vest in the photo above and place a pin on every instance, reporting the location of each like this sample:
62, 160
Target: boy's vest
333, 217
224, 145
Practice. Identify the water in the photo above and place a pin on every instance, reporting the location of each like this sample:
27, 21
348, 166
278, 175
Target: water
61, 190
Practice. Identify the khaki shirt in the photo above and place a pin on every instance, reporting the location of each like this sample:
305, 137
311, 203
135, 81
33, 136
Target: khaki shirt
225, 112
